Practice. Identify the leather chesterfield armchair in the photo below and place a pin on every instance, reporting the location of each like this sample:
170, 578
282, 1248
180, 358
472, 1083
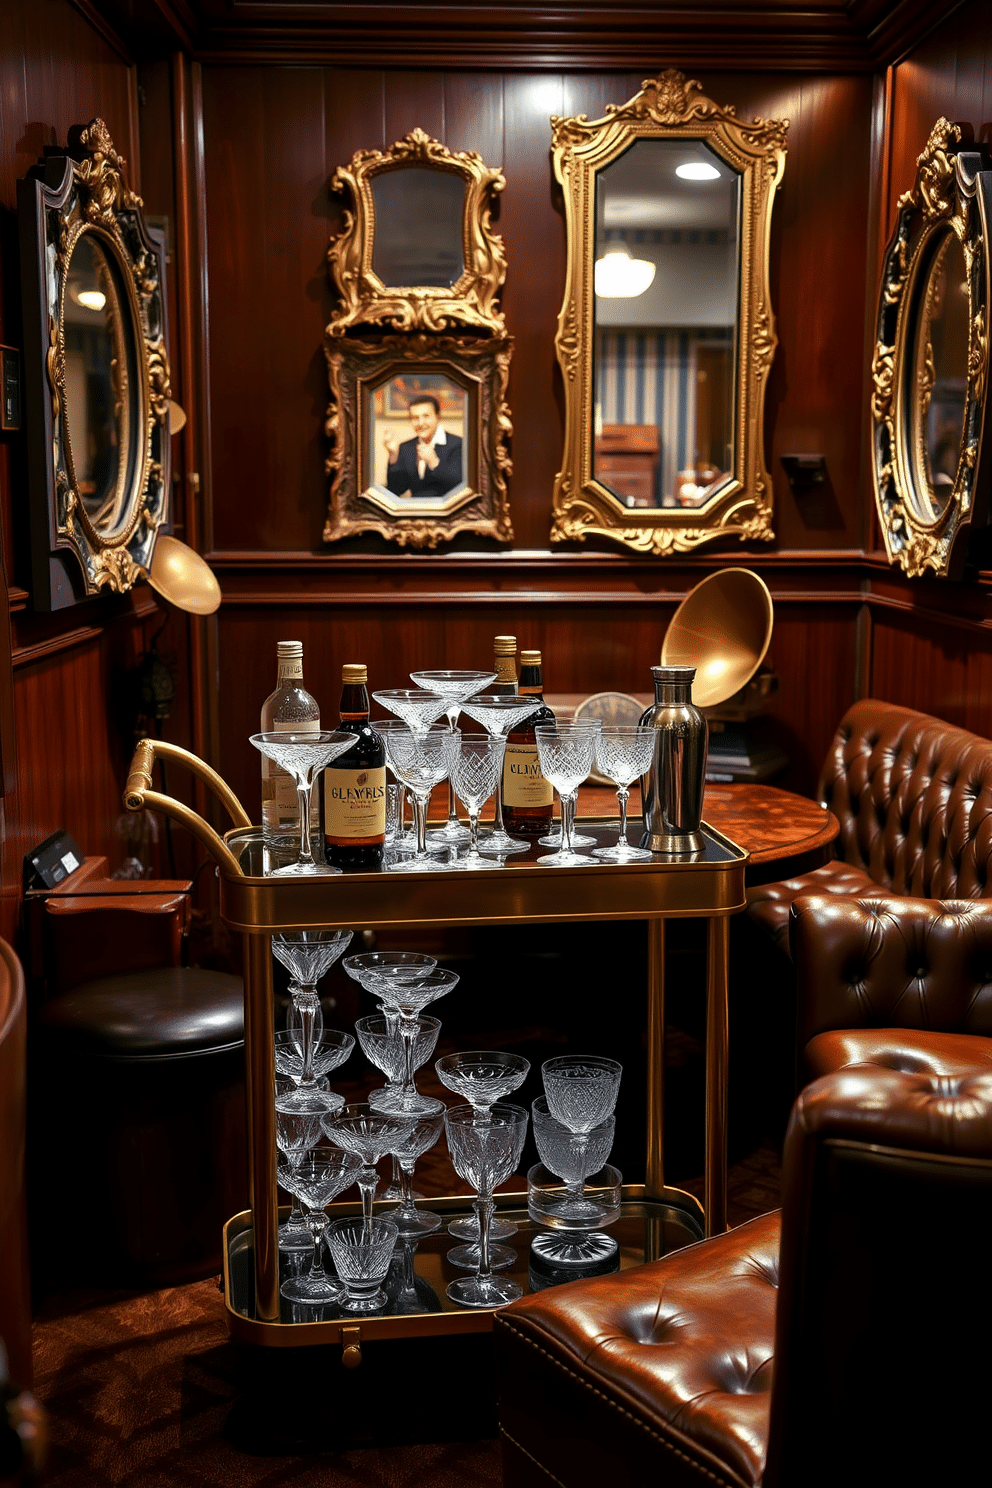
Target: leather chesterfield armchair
913, 796
843, 1341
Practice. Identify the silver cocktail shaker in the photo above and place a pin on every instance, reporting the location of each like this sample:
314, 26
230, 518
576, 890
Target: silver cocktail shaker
672, 789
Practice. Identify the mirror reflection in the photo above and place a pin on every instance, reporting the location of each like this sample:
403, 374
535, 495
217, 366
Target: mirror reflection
419, 218
941, 369
98, 387
666, 308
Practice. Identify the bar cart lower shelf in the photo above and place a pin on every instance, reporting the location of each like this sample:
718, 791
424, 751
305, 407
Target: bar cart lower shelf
646, 1229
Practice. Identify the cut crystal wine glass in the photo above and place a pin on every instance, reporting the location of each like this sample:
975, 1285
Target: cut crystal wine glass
482, 1077
570, 1156
303, 756
579, 839
308, 955
420, 1135
499, 713
566, 751
362, 1252
484, 1155
623, 753
296, 1133
421, 761
316, 1180
476, 770
454, 685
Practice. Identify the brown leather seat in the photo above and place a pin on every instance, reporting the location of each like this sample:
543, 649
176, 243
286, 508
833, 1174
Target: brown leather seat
913, 796
849, 1349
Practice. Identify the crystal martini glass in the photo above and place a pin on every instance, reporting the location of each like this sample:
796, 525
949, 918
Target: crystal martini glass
421, 761
308, 955
456, 686
499, 713
303, 756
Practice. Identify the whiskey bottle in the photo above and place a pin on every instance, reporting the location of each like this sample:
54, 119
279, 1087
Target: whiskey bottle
527, 796
505, 664
289, 708
354, 785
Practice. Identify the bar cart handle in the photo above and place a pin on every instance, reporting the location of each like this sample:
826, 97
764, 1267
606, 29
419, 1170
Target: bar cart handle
139, 793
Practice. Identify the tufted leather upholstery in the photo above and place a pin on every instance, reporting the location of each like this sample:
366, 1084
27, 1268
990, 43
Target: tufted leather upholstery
913, 797
852, 1349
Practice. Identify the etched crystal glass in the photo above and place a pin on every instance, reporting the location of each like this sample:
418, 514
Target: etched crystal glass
482, 1077
404, 839
371, 1136
421, 761
485, 1155
419, 1137
316, 1180
566, 750
416, 706
579, 839
572, 1204
499, 713
581, 1090
296, 1134
330, 1050
455, 685
623, 753
303, 756
406, 989
476, 771
380, 1040
308, 955
362, 1252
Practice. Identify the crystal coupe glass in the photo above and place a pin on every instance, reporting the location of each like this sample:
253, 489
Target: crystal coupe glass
380, 1041
419, 1137
318, 1179
566, 750
482, 1077
303, 756
308, 955
456, 686
499, 713
296, 1134
484, 1155
567, 1155
370, 1135
624, 753
421, 761
476, 771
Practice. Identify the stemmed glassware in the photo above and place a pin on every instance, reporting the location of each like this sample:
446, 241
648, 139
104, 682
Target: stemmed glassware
455, 686
405, 983
566, 750
317, 1179
579, 839
308, 955
404, 838
485, 1154
382, 1044
419, 1137
370, 1135
581, 1092
420, 761
482, 1077
624, 752
576, 1210
499, 713
418, 707
326, 1054
303, 756
476, 771
296, 1133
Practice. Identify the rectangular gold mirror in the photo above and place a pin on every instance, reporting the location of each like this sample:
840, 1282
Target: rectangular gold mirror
666, 333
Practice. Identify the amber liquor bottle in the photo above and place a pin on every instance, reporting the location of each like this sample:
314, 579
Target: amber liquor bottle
354, 785
527, 796
504, 665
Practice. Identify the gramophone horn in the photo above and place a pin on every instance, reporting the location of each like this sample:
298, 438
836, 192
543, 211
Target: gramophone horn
182, 577
723, 628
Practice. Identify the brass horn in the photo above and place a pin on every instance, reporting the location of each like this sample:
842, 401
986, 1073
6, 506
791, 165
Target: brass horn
723, 628
182, 577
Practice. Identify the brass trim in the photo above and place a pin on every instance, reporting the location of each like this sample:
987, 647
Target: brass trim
668, 107
364, 299
139, 792
950, 199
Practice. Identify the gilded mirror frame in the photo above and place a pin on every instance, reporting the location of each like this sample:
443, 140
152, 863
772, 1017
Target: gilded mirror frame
76, 193
668, 107
951, 200
363, 298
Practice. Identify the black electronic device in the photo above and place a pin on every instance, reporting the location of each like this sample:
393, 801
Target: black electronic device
10, 389
50, 864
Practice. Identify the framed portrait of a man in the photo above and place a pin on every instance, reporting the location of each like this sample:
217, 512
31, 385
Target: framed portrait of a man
418, 428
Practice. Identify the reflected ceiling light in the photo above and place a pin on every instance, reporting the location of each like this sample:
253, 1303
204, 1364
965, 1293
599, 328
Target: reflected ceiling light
91, 299
620, 277
697, 170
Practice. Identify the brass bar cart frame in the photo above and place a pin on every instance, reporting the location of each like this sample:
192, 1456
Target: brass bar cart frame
708, 885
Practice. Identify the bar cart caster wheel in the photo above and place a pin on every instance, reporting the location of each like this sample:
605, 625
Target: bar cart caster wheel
351, 1350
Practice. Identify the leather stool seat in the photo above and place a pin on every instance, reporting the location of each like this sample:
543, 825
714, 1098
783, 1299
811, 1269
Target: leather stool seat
173, 1012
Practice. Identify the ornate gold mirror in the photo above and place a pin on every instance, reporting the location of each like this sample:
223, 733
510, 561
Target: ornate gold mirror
97, 373
931, 361
666, 333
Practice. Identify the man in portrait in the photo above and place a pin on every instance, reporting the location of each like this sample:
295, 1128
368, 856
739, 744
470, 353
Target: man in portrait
429, 464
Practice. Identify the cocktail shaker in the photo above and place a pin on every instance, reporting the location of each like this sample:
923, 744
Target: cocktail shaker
672, 788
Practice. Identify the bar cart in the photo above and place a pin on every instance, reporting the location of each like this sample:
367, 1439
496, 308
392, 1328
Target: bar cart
654, 1218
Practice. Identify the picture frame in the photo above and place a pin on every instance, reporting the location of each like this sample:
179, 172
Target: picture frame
419, 427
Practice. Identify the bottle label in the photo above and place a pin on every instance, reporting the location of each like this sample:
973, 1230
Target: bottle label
279, 793
506, 668
523, 783
354, 804
290, 669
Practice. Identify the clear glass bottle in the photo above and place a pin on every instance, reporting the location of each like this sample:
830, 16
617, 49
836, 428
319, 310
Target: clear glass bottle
505, 664
527, 796
354, 785
289, 708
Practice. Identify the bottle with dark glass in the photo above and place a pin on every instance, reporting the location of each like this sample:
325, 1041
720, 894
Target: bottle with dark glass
527, 796
504, 664
354, 785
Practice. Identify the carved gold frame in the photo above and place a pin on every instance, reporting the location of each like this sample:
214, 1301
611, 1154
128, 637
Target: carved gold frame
355, 368
84, 192
952, 196
668, 107
364, 299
